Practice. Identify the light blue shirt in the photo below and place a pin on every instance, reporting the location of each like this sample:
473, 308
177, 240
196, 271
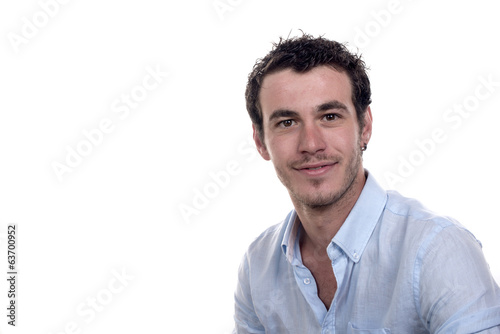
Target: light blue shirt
399, 267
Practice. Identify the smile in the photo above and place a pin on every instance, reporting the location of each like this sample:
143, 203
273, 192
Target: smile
316, 169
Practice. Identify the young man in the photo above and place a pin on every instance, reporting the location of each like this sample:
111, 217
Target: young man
351, 257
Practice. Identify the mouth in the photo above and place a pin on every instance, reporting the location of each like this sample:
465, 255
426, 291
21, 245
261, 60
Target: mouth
316, 169
316, 166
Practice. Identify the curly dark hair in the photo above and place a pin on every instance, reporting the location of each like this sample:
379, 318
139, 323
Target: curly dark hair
303, 54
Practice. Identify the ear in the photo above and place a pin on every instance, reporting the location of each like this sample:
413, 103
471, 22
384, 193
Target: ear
261, 147
366, 133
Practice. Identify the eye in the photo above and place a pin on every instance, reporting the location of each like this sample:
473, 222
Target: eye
286, 123
331, 117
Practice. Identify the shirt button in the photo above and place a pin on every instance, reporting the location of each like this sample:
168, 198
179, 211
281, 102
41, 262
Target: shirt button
355, 255
307, 281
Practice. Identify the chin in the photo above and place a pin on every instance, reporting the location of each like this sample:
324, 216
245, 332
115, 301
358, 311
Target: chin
316, 202
316, 198
322, 194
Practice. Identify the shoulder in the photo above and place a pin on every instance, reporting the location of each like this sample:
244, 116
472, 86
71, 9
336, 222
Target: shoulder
433, 240
414, 214
407, 227
270, 239
266, 249
411, 208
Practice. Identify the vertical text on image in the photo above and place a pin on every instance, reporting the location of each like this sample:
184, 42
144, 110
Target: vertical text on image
12, 275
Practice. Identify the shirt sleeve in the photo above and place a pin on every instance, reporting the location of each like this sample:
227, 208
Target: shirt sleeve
454, 289
246, 321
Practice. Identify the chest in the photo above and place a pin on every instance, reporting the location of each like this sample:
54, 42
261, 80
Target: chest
324, 276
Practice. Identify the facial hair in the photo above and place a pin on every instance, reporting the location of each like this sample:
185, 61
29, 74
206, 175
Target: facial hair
317, 200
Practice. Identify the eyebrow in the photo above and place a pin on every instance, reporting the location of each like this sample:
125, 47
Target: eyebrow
332, 105
282, 113
285, 113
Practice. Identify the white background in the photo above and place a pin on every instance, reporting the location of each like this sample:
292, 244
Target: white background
119, 209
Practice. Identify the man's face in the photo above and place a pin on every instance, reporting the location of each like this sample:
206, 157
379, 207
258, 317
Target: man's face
311, 134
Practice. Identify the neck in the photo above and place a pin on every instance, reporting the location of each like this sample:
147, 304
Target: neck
321, 224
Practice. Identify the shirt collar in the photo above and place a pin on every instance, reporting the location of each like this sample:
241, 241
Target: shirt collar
357, 229
291, 231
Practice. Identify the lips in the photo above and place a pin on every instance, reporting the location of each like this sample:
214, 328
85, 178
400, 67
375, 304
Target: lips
316, 169
316, 166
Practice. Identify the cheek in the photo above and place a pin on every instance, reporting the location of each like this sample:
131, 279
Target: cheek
346, 139
280, 148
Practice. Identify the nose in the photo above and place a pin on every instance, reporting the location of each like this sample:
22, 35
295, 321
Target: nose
311, 139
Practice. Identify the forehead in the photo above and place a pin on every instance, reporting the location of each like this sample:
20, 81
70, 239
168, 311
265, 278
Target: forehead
295, 91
